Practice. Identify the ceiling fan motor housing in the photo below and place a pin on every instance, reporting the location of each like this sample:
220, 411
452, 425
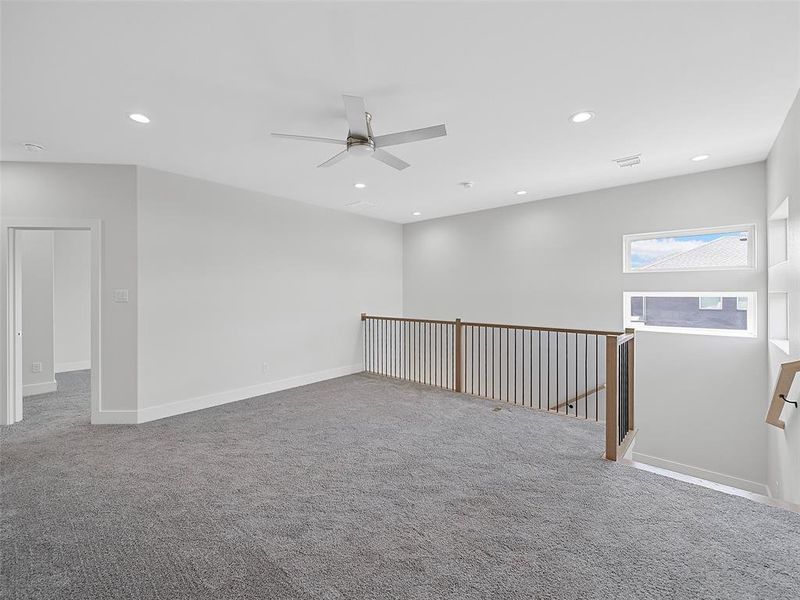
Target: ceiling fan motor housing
359, 147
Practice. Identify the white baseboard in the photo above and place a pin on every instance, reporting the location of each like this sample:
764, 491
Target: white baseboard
80, 365
115, 417
33, 389
729, 480
180, 407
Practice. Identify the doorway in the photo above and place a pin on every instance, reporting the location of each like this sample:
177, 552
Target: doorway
30, 365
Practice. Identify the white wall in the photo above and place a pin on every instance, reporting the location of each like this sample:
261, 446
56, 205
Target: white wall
71, 300
106, 192
783, 179
231, 280
558, 262
37, 311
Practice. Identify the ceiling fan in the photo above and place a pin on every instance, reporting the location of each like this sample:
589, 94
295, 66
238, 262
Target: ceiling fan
361, 142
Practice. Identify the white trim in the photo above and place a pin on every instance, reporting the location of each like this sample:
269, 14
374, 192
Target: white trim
180, 407
750, 332
633, 237
115, 417
33, 389
10, 373
78, 365
722, 478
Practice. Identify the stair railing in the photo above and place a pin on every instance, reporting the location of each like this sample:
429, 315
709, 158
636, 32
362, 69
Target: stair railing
558, 370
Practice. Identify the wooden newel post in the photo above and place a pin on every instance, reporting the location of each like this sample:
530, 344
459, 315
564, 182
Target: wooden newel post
611, 397
457, 356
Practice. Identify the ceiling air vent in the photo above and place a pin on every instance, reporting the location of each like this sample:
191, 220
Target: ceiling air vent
629, 161
360, 204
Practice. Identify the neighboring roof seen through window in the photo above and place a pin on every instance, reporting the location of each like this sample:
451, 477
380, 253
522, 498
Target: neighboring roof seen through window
729, 249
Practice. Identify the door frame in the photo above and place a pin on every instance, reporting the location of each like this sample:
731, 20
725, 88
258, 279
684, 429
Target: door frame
11, 363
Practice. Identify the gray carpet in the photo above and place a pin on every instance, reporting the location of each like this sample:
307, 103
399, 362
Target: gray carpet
361, 487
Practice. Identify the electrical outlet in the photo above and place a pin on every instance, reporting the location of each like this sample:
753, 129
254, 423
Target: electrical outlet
36, 367
264, 368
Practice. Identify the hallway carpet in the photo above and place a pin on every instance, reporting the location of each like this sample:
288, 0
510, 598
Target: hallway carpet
362, 487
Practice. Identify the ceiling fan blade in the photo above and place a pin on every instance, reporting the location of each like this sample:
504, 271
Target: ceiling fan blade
413, 135
309, 138
390, 159
334, 159
356, 112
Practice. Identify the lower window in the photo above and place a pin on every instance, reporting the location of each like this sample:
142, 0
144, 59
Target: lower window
710, 313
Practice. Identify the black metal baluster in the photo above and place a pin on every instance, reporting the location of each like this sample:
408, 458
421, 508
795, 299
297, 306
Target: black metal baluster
548, 370
586, 375
508, 366
475, 359
522, 333
566, 373
516, 363
558, 361
435, 353
576, 375
539, 378
530, 368
596, 379
492, 362
485, 362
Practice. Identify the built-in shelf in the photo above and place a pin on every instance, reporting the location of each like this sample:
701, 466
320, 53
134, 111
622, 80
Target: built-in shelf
782, 345
779, 277
777, 234
779, 317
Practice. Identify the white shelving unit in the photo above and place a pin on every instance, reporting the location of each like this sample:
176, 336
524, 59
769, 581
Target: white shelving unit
778, 255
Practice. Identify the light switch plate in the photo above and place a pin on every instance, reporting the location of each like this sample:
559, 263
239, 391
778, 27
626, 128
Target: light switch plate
120, 295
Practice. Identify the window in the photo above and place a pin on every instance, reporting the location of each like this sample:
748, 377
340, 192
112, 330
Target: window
710, 313
710, 249
741, 303
711, 302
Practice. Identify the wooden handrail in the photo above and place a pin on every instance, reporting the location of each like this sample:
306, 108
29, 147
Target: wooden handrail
365, 316
581, 396
537, 328
782, 387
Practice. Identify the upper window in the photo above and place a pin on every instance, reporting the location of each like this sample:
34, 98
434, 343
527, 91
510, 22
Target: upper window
709, 249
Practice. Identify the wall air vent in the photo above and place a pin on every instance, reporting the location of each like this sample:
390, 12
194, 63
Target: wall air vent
629, 161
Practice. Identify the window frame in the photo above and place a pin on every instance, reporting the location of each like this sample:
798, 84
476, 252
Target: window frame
701, 307
747, 303
750, 228
752, 321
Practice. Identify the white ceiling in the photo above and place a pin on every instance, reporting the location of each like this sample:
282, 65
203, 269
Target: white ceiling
668, 80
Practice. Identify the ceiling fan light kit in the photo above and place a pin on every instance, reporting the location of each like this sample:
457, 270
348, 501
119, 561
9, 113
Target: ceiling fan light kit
361, 141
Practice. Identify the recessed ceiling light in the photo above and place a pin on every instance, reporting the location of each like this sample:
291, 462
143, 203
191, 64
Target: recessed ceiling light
30, 147
416, 213
139, 118
521, 192
582, 117
359, 186
700, 157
